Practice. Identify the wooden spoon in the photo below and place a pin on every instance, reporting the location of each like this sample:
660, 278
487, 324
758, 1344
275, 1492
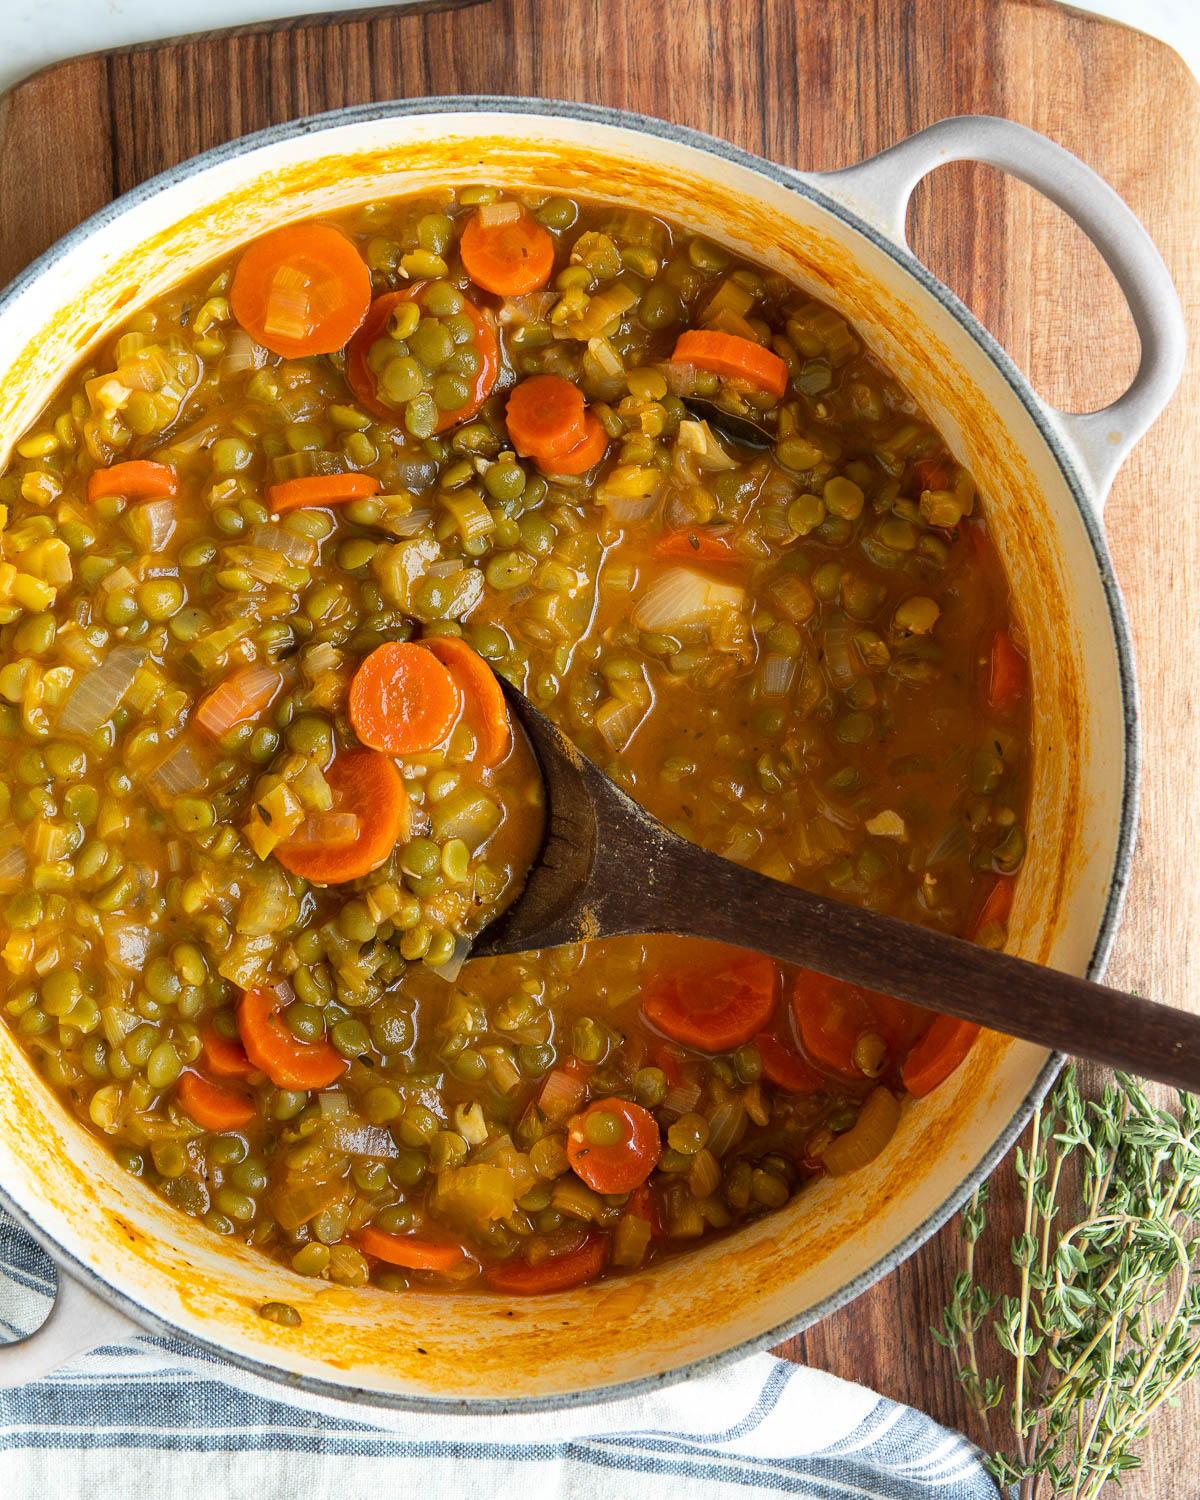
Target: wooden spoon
608, 868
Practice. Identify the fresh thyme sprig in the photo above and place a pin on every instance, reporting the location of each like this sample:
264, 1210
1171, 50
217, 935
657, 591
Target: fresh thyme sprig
1105, 1323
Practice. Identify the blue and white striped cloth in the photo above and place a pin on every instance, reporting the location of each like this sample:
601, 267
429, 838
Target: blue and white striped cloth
155, 1419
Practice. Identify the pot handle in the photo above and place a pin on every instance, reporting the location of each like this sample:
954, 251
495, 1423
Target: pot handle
78, 1321
879, 188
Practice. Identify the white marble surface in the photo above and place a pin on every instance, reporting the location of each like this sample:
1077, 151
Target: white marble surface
36, 32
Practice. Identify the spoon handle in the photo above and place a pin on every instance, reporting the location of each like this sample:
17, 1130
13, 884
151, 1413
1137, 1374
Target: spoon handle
698, 894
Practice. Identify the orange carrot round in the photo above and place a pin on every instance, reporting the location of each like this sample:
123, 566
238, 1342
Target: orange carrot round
136, 479
557, 1274
321, 489
403, 699
1006, 675
225, 1056
584, 455
361, 377
784, 1067
700, 544
545, 418
213, 1106
937, 1054
369, 785
410, 1252
510, 257
618, 1166
270, 1046
483, 698
301, 290
833, 1016
734, 357
715, 1009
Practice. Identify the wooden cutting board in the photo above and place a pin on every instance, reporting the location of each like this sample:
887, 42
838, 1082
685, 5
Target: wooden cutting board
811, 83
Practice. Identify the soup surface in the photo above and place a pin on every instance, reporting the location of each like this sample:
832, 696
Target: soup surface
260, 558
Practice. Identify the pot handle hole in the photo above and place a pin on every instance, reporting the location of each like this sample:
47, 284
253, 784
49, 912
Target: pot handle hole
879, 188
78, 1321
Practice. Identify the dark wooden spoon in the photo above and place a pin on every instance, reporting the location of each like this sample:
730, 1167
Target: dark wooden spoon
607, 867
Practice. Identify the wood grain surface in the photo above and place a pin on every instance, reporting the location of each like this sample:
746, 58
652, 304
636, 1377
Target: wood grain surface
811, 83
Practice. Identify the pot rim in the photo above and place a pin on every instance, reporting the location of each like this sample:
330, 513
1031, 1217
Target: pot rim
810, 186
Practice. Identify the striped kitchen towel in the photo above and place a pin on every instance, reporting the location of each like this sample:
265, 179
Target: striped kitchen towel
156, 1419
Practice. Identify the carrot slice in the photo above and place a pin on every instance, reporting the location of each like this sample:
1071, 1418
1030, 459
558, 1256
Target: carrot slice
704, 544
784, 1067
403, 699
641, 1202
1006, 675
624, 1164
136, 479
301, 290
731, 355
211, 1105
361, 377
585, 454
997, 905
321, 489
241, 696
933, 473
545, 417
937, 1054
287, 1062
833, 1016
715, 1009
408, 1251
369, 785
557, 1274
225, 1056
483, 698
511, 257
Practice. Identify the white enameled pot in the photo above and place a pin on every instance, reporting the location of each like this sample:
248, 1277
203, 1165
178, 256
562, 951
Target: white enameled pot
127, 1259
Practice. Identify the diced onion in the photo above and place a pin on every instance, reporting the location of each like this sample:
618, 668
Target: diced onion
446, 568
179, 772
96, 695
776, 676
298, 549
155, 522
617, 720
13, 864
952, 845
504, 212
416, 520
412, 471
126, 944
562, 1094
697, 439
193, 438
627, 508
359, 1139
332, 1104
450, 969
837, 652
682, 1098
866, 1138
328, 828
681, 596
531, 308
241, 353
118, 578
